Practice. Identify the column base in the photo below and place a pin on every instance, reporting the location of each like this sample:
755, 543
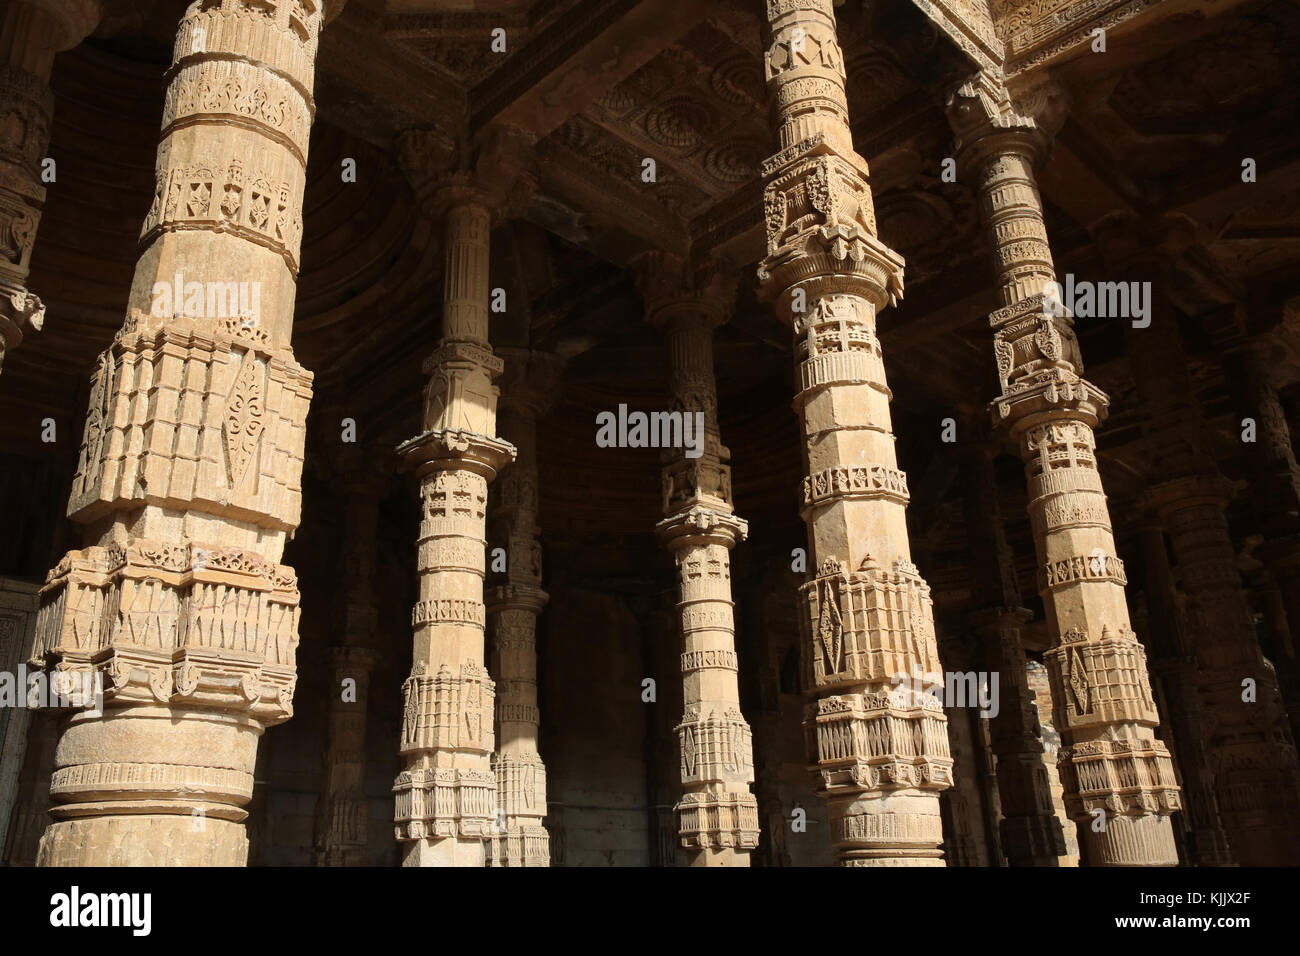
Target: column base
144, 840
1130, 841
445, 852
520, 846
1209, 847
719, 856
1032, 841
896, 828
151, 785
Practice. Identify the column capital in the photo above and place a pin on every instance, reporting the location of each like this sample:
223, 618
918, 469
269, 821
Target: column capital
677, 290
443, 449
530, 381
698, 526
988, 118
817, 205
1189, 491
74, 20
494, 171
516, 596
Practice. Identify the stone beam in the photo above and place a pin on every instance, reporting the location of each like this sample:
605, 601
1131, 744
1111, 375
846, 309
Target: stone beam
576, 59
356, 56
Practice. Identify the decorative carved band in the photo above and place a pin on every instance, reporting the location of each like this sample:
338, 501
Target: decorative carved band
716, 749
444, 803
868, 481
282, 40
867, 626
448, 611
867, 742
257, 197
709, 659
240, 93
709, 820
1082, 567
1103, 681
446, 711
231, 415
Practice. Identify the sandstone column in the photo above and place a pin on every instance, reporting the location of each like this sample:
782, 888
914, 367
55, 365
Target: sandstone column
1275, 486
188, 482
1175, 670
1110, 760
717, 816
1030, 831
447, 793
970, 832
867, 615
343, 810
519, 838
31, 33
1251, 755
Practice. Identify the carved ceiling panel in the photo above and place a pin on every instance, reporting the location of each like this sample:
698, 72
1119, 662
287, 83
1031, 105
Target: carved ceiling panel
459, 44
932, 226
607, 156
1224, 81
699, 108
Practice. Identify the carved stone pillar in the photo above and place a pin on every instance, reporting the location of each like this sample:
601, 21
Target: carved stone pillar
717, 816
1030, 831
1251, 755
969, 840
1175, 670
31, 33
447, 792
1275, 487
188, 482
867, 616
1110, 759
343, 811
343, 814
18, 603
519, 838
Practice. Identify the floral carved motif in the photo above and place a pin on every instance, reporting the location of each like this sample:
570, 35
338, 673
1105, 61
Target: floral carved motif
244, 419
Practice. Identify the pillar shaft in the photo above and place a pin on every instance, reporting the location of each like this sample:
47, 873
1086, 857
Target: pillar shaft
31, 33
1276, 499
1251, 756
343, 812
188, 481
519, 837
1175, 672
866, 614
1030, 831
717, 815
971, 836
1110, 760
446, 795
1250, 752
